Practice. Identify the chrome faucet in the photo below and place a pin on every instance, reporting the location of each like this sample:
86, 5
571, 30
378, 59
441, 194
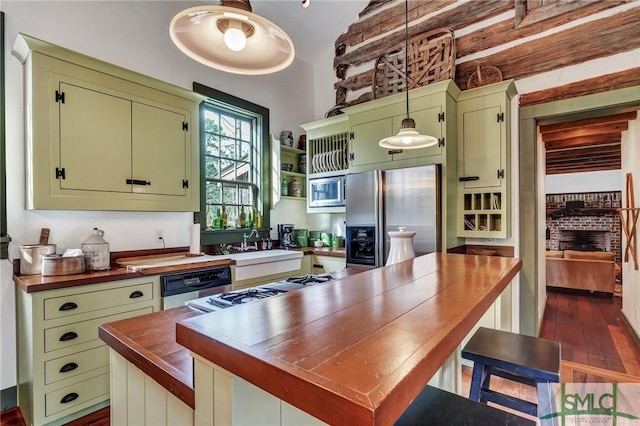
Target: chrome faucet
244, 246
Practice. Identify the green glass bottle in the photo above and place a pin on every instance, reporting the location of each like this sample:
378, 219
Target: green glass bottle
285, 187
250, 220
217, 221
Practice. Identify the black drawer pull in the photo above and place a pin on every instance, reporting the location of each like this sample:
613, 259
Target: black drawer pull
136, 294
70, 366
69, 335
137, 182
317, 265
468, 178
69, 306
69, 397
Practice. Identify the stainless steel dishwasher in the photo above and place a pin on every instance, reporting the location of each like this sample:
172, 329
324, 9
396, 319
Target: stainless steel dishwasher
179, 288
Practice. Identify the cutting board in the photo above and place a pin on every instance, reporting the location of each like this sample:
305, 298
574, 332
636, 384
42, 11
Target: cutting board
168, 262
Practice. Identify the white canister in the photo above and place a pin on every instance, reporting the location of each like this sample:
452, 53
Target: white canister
96, 252
401, 247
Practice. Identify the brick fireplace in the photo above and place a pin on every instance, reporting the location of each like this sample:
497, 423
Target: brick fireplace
584, 221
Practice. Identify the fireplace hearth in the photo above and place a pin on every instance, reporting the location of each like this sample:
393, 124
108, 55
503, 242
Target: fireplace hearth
584, 240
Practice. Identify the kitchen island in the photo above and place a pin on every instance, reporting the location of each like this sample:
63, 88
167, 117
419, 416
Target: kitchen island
353, 351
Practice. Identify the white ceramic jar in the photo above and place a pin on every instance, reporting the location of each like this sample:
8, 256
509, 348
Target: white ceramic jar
96, 252
401, 246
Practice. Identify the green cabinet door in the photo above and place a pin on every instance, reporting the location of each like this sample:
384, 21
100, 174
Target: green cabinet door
427, 123
482, 147
160, 150
364, 143
95, 140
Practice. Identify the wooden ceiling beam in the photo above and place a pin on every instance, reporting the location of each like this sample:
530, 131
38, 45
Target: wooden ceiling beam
584, 161
603, 139
588, 150
583, 158
586, 131
597, 121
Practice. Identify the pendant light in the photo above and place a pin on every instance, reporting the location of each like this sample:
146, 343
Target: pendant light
232, 38
408, 137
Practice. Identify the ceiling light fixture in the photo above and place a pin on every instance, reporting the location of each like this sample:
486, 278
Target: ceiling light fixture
231, 38
408, 137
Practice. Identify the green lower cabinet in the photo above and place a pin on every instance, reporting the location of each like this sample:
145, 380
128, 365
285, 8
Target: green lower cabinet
327, 264
63, 366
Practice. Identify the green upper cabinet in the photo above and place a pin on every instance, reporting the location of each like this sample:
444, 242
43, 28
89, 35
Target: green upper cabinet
432, 107
429, 121
484, 134
364, 142
94, 139
484, 126
104, 138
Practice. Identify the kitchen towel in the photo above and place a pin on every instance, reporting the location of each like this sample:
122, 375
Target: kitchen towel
194, 245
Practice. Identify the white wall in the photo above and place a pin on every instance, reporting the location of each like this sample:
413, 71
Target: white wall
584, 182
133, 35
631, 276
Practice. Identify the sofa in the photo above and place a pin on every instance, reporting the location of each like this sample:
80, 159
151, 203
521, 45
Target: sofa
581, 270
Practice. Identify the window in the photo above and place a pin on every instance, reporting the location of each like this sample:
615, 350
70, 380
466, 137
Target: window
231, 163
234, 158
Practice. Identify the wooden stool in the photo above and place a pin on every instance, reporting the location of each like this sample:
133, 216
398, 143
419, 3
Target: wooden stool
523, 359
436, 407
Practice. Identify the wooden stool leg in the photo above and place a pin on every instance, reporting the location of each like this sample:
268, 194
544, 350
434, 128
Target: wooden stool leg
478, 377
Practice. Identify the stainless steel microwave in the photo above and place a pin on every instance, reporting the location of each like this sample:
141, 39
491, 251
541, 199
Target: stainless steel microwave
326, 192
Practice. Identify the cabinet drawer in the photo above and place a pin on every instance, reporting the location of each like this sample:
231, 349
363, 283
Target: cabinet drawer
70, 396
57, 307
72, 365
84, 331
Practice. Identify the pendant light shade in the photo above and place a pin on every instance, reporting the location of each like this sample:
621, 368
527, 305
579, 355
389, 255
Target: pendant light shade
232, 39
408, 137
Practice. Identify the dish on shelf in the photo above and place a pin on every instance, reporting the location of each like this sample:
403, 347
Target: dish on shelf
286, 167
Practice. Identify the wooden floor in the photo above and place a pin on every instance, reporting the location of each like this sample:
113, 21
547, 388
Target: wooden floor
592, 332
597, 346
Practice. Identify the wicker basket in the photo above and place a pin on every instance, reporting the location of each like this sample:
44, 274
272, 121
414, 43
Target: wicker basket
431, 55
483, 76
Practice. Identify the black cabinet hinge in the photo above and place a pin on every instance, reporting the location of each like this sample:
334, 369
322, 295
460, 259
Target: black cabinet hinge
441, 142
500, 117
60, 97
501, 174
60, 173
185, 183
351, 136
185, 126
440, 117
352, 156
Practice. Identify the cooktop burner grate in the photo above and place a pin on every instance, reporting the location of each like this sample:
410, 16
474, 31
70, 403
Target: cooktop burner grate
309, 278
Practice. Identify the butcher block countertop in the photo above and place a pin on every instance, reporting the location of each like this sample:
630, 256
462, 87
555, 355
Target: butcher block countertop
35, 283
149, 342
358, 350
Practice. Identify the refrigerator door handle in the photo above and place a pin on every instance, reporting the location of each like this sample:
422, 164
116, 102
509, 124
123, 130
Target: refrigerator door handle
379, 209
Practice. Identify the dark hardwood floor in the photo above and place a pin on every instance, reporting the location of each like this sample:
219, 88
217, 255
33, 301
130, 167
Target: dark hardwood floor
597, 345
592, 331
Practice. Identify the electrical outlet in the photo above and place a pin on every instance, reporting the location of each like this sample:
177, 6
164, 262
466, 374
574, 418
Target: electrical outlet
159, 236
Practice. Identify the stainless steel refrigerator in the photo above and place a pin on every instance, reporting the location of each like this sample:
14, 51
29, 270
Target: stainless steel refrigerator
380, 201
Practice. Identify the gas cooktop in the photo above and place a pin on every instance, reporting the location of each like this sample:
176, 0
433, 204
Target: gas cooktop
254, 294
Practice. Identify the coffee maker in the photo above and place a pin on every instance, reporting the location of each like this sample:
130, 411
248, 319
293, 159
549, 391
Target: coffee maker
286, 237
